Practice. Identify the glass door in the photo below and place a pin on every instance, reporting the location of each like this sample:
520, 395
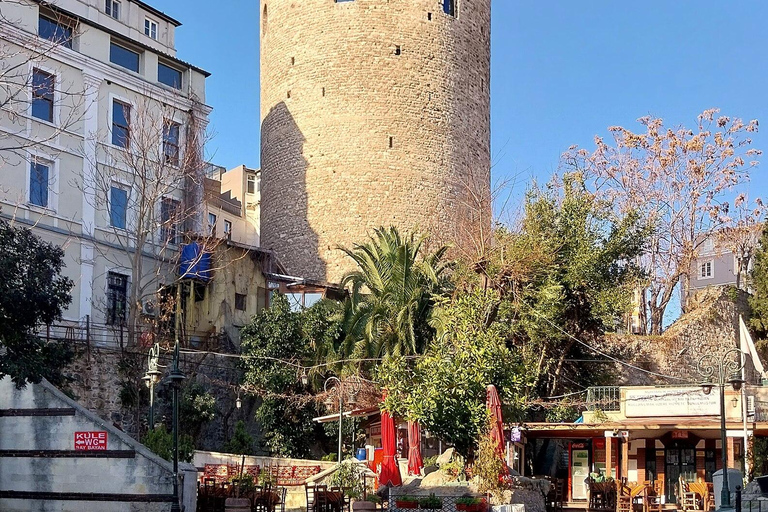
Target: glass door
678, 462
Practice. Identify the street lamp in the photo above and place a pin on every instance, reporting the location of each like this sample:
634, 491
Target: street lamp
353, 388
719, 371
176, 377
151, 378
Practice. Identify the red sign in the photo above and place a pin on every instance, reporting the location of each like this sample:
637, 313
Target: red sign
679, 434
90, 440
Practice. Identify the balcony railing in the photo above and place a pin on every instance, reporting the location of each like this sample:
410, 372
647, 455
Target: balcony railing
603, 398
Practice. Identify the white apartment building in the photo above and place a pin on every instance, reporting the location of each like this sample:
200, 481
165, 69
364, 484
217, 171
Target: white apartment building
101, 140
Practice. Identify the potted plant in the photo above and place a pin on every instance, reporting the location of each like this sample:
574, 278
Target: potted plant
466, 503
407, 502
471, 504
431, 502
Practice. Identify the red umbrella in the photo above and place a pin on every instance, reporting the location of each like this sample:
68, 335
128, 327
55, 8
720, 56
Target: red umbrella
390, 473
415, 464
497, 430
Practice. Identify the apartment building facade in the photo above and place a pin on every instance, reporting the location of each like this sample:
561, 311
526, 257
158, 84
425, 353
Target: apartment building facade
101, 141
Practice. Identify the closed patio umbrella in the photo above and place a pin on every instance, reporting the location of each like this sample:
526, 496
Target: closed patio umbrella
390, 473
415, 464
497, 429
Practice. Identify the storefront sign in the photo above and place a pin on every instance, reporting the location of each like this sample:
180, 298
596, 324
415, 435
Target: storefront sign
667, 402
91, 440
679, 434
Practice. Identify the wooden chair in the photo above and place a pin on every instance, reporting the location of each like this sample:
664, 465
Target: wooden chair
653, 496
686, 497
623, 498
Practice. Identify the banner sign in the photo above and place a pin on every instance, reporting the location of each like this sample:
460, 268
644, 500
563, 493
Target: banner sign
669, 402
91, 440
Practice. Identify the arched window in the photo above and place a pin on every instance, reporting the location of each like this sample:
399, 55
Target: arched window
449, 7
264, 20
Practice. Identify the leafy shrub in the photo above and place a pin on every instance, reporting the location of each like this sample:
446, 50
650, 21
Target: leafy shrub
160, 441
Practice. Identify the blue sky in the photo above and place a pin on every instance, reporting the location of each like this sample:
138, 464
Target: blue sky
562, 71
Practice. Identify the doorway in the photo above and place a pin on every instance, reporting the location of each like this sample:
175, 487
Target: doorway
679, 461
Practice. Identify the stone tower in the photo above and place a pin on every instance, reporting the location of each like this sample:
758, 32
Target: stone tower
373, 113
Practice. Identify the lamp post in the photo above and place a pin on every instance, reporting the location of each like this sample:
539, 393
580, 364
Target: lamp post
151, 378
719, 371
353, 385
176, 377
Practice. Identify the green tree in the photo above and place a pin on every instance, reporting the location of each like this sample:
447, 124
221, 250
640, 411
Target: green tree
241, 442
446, 389
759, 300
197, 407
32, 293
392, 294
275, 345
568, 275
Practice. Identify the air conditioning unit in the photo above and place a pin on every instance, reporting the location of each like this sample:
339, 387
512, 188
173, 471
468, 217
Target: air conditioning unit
148, 308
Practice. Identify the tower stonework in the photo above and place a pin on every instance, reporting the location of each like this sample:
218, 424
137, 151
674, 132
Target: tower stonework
373, 113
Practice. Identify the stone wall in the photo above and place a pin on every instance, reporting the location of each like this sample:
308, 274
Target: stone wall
43, 467
372, 113
99, 381
711, 326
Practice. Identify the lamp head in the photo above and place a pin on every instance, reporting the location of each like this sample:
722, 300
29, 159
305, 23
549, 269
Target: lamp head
736, 382
304, 379
238, 403
706, 387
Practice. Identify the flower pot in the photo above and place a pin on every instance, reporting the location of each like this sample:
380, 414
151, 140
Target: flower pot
406, 504
465, 507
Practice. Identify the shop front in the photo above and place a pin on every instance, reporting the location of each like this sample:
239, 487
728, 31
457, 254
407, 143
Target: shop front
659, 435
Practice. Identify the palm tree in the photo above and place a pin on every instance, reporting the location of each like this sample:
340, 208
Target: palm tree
392, 294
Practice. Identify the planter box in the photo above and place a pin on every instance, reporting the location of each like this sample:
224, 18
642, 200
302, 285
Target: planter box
406, 504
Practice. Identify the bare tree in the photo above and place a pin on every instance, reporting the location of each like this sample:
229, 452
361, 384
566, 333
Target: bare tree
33, 85
740, 235
146, 184
678, 179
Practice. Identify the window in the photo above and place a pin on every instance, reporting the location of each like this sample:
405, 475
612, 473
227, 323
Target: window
118, 206
117, 293
39, 174
170, 210
251, 184
168, 76
121, 124
124, 57
240, 301
311, 298
150, 28
171, 132
705, 270
228, 229
55, 31
42, 95
112, 8
449, 7
212, 224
